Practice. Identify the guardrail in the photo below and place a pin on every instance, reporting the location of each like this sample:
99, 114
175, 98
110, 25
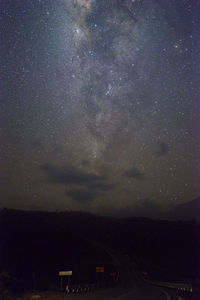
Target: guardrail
174, 285
85, 288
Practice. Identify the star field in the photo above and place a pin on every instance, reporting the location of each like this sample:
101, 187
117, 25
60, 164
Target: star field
99, 104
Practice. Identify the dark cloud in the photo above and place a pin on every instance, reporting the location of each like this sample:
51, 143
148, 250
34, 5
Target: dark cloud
57, 150
163, 149
100, 186
36, 144
92, 185
135, 173
85, 162
67, 174
82, 195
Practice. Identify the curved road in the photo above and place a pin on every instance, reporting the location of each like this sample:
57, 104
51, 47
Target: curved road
132, 286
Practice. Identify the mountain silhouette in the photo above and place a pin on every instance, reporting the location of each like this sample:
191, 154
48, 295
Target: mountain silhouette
185, 211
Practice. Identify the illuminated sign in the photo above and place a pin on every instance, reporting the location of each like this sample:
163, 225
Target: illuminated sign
99, 269
65, 273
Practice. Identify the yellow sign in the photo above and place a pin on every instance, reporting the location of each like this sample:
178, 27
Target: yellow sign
65, 273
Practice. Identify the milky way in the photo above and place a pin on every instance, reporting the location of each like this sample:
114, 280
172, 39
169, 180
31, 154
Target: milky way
99, 104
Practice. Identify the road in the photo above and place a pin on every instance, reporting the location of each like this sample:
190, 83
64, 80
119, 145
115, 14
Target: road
132, 286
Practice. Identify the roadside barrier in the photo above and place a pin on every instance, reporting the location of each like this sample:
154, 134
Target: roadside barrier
173, 285
87, 288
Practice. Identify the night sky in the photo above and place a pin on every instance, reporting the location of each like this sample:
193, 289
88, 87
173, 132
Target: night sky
99, 104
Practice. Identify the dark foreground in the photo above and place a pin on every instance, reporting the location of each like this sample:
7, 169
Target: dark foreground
135, 253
